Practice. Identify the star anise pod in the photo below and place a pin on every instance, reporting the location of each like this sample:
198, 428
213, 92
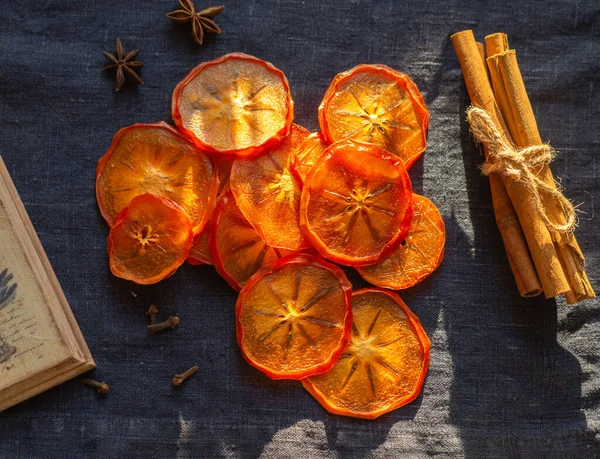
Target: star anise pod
201, 20
124, 64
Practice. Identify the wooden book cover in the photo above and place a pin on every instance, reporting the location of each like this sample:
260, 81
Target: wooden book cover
40, 343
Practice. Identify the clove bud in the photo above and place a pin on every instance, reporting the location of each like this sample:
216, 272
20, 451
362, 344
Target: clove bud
178, 379
152, 311
171, 322
101, 387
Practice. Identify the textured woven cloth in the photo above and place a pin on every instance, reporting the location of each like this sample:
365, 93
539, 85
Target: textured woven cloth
509, 377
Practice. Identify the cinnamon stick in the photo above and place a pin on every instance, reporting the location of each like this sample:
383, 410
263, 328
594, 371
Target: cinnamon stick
481, 49
496, 44
539, 241
525, 133
474, 72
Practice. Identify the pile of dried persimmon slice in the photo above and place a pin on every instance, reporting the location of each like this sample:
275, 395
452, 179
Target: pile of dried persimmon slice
273, 206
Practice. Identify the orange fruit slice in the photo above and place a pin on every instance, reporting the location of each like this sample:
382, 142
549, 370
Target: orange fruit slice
294, 317
150, 239
236, 104
418, 256
376, 104
383, 367
307, 154
224, 164
238, 250
356, 203
200, 252
268, 194
156, 159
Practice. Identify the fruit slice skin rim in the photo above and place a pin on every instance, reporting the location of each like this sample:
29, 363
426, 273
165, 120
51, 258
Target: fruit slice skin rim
212, 196
364, 271
201, 258
378, 69
242, 152
260, 225
316, 241
218, 263
425, 344
122, 216
307, 260
296, 164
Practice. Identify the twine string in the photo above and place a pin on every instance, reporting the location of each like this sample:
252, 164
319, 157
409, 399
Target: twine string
519, 164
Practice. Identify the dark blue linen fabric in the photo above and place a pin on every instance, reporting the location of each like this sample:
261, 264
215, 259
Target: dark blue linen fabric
509, 377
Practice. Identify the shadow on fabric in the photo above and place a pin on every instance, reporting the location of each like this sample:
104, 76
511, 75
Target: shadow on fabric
511, 376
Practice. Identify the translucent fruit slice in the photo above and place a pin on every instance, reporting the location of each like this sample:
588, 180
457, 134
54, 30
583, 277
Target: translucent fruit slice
238, 250
383, 367
294, 317
307, 154
150, 239
200, 252
156, 159
268, 194
356, 203
376, 104
224, 164
418, 256
236, 104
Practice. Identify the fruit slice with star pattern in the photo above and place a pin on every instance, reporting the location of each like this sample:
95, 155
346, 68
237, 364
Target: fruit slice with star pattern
294, 317
418, 256
236, 104
150, 239
356, 203
307, 154
238, 251
156, 159
383, 367
268, 194
376, 104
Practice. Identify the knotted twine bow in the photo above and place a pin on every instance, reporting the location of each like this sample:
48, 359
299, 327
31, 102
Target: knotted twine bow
519, 164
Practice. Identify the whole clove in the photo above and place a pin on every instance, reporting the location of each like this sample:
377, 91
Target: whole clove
180, 378
171, 322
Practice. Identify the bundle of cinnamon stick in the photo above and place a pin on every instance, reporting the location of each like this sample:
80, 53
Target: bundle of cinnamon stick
542, 259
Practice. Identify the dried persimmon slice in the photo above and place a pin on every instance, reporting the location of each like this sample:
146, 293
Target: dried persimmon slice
150, 239
418, 256
268, 194
307, 154
224, 164
237, 104
156, 159
200, 252
356, 203
294, 317
383, 367
238, 250
376, 104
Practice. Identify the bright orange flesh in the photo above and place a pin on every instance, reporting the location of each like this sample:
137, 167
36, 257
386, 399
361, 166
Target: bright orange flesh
268, 194
150, 239
224, 164
238, 250
376, 104
200, 252
236, 104
307, 154
420, 254
356, 203
383, 367
294, 317
156, 159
